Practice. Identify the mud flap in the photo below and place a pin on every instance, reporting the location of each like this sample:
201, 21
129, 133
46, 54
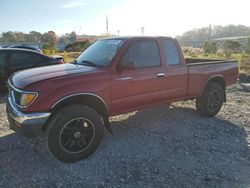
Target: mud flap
108, 126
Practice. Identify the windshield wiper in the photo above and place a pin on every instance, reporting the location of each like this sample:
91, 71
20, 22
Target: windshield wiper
86, 62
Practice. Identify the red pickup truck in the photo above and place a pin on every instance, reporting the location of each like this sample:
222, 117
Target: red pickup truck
71, 103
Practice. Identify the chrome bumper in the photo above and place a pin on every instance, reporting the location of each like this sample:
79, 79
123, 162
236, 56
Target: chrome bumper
23, 118
29, 125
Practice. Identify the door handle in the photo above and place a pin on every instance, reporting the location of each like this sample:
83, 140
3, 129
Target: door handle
124, 78
160, 74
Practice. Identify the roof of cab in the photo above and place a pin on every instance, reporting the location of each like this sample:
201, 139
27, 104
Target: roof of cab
135, 37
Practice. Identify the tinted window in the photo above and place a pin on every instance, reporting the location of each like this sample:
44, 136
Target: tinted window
44, 59
145, 53
24, 59
3, 57
172, 56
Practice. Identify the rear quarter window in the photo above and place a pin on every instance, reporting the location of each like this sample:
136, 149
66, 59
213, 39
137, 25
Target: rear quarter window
171, 52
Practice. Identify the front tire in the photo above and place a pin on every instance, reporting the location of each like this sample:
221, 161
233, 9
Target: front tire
74, 133
211, 101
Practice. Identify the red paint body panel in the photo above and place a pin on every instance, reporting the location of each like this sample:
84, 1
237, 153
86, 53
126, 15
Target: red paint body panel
125, 90
198, 75
50, 91
31, 76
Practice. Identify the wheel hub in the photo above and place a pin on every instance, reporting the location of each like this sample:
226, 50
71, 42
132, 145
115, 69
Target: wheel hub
77, 135
214, 101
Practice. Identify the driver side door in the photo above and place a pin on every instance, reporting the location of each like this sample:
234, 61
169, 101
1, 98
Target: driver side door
140, 86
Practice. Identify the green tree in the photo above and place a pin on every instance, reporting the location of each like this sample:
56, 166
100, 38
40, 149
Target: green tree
49, 37
33, 36
49, 48
196, 36
62, 39
231, 46
49, 40
68, 38
20, 36
8, 37
210, 47
77, 46
72, 37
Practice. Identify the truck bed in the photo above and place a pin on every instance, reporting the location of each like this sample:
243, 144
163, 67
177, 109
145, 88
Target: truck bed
199, 61
200, 70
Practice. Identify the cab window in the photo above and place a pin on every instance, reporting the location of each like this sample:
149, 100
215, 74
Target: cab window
171, 52
144, 53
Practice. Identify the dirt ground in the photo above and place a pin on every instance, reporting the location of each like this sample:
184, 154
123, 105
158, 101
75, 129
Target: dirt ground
157, 147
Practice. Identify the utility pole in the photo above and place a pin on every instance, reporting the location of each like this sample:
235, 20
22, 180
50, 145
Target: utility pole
118, 32
209, 32
107, 24
79, 30
142, 31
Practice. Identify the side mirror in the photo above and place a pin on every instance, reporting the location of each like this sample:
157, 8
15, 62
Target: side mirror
129, 65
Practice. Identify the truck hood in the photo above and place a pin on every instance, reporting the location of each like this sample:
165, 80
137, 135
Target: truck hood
24, 78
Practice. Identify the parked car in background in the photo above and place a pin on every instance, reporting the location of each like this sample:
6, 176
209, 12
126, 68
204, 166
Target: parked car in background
59, 58
13, 60
25, 46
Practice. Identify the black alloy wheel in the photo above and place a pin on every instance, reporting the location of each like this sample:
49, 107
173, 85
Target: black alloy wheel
74, 133
211, 101
77, 135
214, 101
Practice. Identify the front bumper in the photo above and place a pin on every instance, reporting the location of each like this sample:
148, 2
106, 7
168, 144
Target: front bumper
29, 125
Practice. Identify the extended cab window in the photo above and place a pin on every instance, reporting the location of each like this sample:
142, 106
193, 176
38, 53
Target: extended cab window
3, 57
171, 52
144, 53
24, 59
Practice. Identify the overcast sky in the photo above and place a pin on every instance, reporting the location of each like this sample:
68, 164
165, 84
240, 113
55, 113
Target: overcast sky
158, 17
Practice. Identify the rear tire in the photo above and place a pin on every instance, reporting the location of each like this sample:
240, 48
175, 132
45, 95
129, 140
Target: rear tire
74, 133
211, 101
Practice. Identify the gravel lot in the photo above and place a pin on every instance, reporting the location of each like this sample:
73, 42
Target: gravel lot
157, 147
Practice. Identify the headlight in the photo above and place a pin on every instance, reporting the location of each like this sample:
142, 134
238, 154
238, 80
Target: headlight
27, 98
21, 98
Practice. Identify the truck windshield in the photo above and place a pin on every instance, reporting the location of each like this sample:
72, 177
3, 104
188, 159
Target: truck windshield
100, 53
